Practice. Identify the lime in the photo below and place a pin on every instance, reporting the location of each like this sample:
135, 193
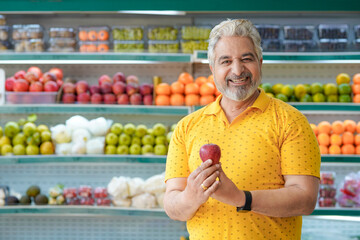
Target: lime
282, 97
316, 88
344, 88
344, 98
287, 90
308, 88
342, 78
267, 87
1, 132
277, 88
330, 89
306, 98
292, 99
332, 98
299, 91
319, 97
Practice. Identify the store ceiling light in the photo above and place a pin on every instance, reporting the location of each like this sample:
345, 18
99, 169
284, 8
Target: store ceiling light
172, 13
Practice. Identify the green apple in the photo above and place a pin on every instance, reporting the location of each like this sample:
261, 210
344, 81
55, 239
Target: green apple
42, 127
141, 130
159, 129
150, 131
35, 139
148, 139
19, 139
1, 132
168, 136
160, 149
110, 149
173, 127
129, 129
4, 140
160, 140
124, 139
135, 149
117, 128
19, 149
136, 140
11, 129
32, 150
29, 129
147, 149
122, 149
45, 136
111, 139
6, 149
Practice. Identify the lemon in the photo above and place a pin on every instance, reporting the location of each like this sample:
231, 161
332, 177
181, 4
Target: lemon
277, 88
319, 97
342, 78
287, 90
4, 140
316, 88
299, 91
6, 149
19, 149
330, 89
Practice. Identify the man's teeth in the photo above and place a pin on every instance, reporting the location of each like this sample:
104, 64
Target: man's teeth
239, 80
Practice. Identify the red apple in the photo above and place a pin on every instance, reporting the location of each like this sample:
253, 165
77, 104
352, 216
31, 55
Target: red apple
94, 89
132, 79
9, 84
69, 87
81, 87
109, 98
118, 88
210, 151
31, 77
119, 77
36, 87
83, 97
136, 99
146, 88
96, 98
132, 88
123, 99
48, 77
68, 98
21, 85
106, 87
20, 74
59, 82
36, 70
148, 99
104, 78
51, 87
58, 72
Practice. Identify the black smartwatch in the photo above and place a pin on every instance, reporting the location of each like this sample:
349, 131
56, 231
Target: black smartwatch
247, 206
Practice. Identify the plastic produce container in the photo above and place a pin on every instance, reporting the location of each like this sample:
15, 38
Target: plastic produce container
128, 33
163, 46
2, 20
357, 44
268, 31
333, 31
271, 45
5, 45
129, 46
61, 32
195, 32
327, 178
62, 45
89, 46
299, 45
333, 44
191, 46
88, 33
164, 33
30, 31
4, 33
31, 45
30, 97
357, 31
305, 32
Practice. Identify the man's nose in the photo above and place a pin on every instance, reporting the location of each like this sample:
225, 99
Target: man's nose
238, 67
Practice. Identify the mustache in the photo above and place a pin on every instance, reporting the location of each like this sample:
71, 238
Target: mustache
241, 76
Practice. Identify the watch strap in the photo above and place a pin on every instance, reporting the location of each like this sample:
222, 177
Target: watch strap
248, 201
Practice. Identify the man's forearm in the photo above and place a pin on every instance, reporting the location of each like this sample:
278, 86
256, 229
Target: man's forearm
178, 207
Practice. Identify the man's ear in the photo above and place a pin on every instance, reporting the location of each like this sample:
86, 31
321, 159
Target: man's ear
211, 69
261, 62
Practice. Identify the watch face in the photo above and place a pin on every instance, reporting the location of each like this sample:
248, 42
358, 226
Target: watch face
242, 210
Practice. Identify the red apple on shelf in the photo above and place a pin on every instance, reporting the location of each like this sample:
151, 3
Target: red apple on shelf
59, 82
123, 99
119, 77
51, 87
103, 79
69, 87
105, 88
136, 99
109, 98
210, 151
118, 88
36, 70
58, 72
9, 84
20, 74
68, 98
132, 88
96, 98
146, 88
21, 85
132, 79
83, 98
94, 89
36, 87
31, 77
81, 87
148, 99
48, 77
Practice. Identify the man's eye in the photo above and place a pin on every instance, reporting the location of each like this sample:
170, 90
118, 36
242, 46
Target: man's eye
225, 62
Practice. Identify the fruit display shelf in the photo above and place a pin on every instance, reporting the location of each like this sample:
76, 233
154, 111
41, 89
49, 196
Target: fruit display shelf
340, 158
82, 159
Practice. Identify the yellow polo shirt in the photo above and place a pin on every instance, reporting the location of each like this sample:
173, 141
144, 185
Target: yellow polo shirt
268, 140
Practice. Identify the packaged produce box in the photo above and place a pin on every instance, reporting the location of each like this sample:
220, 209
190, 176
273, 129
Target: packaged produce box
30, 97
129, 33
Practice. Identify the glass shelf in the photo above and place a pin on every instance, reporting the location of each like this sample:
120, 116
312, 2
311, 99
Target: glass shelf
83, 159
94, 108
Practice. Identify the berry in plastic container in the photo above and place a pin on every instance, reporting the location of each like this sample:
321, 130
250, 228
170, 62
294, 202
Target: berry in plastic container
327, 191
333, 31
327, 202
271, 45
268, 31
72, 201
70, 192
85, 191
103, 202
100, 192
305, 32
87, 201
327, 178
299, 45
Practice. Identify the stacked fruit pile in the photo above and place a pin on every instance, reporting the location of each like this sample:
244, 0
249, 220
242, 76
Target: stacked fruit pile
356, 88
131, 139
186, 91
25, 138
340, 137
316, 92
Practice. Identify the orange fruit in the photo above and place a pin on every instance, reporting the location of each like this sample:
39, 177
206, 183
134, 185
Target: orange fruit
210, 78
323, 139
103, 47
192, 100
338, 127
177, 87
162, 100
217, 93
356, 78
348, 138
348, 149
206, 99
83, 48
323, 149
191, 88
335, 139
314, 128
103, 35
92, 35
356, 98
83, 36
177, 99
324, 127
163, 89
358, 127
207, 89
356, 88
200, 80
350, 126
91, 48
334, 149
357, 149
357, 139
185, 78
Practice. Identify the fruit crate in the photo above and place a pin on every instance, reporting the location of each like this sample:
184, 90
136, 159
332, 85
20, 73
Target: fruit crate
30, 97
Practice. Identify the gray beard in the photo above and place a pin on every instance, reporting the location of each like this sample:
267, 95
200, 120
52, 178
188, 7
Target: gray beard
241, 93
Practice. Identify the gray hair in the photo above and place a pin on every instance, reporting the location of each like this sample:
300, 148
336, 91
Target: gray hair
236, 27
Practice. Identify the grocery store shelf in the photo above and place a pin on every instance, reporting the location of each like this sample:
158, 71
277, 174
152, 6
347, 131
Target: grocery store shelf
82, 159
93, 108
82, 210
92, 58
298, 57
340, 158
337, 211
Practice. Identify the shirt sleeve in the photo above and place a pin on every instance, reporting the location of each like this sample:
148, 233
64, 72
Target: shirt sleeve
300, 154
